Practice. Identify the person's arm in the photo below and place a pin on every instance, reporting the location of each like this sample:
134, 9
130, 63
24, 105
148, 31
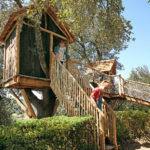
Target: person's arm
57, 51
67, 55
92, 96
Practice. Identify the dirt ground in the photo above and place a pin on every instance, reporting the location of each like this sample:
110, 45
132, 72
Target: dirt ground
139, 144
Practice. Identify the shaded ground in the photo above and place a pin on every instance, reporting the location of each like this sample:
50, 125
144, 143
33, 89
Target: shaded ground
139, 144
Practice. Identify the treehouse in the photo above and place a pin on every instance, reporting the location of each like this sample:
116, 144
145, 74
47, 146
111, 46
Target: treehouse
22, 67
105, 66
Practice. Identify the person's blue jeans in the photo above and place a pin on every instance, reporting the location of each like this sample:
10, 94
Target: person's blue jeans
99, 102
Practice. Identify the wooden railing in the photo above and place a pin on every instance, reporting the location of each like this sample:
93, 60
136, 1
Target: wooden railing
71, 92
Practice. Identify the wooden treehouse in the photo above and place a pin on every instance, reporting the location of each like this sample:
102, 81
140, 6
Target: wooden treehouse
104, 66
22, 69
21, 63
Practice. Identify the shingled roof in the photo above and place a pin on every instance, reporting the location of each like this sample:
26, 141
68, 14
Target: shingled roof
104, 66
52, 13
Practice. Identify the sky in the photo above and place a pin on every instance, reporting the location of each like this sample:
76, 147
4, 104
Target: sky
138, 51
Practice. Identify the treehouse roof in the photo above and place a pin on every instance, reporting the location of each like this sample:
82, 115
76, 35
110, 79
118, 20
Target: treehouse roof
104, 66
51, 11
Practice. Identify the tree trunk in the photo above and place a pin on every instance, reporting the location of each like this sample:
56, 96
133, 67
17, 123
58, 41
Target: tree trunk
45, 106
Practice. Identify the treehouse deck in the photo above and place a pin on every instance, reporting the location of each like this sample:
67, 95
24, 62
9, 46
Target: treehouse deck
22, 81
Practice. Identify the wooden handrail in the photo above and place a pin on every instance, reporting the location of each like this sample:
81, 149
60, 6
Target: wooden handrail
71, 92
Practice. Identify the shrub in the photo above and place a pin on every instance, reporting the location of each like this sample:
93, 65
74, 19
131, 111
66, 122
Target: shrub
54, 133
5, 115
132, 124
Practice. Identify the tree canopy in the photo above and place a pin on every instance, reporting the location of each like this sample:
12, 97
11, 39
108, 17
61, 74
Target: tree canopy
141, 74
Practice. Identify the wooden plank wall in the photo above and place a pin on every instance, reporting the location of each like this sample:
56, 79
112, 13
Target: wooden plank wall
11, 54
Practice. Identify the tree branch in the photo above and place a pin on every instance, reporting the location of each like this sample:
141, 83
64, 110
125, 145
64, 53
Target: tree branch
18, 2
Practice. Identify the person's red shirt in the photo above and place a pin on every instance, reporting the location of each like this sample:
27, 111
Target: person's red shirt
96, 93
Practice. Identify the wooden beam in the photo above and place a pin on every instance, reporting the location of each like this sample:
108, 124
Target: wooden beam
56, 24
28, 103
67, 60
45, 17
4, 62
116, 102
45, 30
51, 56
137, 100
18, 47
20, 103
55, 107
10, 32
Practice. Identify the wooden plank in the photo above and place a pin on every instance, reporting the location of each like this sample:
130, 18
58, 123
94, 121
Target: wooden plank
35, 83
45, 30
9, 83
20, 103
28, 103
51, 56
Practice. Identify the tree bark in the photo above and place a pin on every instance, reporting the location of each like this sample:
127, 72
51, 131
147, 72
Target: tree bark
18, 2
45, 106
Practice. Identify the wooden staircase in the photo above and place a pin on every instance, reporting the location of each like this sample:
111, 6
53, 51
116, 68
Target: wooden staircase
73, 92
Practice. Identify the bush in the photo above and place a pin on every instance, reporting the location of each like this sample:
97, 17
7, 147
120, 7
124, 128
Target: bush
132, 125
5, 115
54, 133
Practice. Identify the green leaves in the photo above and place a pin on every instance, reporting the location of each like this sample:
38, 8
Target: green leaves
57, 133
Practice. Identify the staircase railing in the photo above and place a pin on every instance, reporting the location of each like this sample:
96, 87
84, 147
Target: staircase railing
109, 115
75, 100
73, 90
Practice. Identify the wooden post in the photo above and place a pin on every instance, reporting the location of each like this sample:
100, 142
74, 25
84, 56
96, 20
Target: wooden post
28, 103
20, 104
67, 60
51, 56
18, 47
55, 107
120, 91
4, 62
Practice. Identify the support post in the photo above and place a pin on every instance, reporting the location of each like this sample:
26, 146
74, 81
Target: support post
18, 45
120, 91
55, 107
67, 60
51, 56
28, 103
20, 103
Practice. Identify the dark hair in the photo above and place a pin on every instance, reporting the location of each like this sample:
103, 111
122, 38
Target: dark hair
61, 41
94, 84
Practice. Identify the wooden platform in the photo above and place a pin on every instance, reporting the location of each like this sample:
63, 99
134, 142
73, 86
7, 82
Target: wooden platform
125, 97
22, 81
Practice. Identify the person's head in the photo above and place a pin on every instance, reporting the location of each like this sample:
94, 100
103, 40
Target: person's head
62, 43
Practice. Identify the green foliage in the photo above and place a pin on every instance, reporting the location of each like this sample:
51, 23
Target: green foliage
100, 29
5, 116
141, 74
132, 125
54, 133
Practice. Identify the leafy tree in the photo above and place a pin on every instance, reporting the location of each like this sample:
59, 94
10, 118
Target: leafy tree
100, 29
141, 74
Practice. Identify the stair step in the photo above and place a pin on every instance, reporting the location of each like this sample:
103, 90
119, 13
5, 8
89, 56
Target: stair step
109, 147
